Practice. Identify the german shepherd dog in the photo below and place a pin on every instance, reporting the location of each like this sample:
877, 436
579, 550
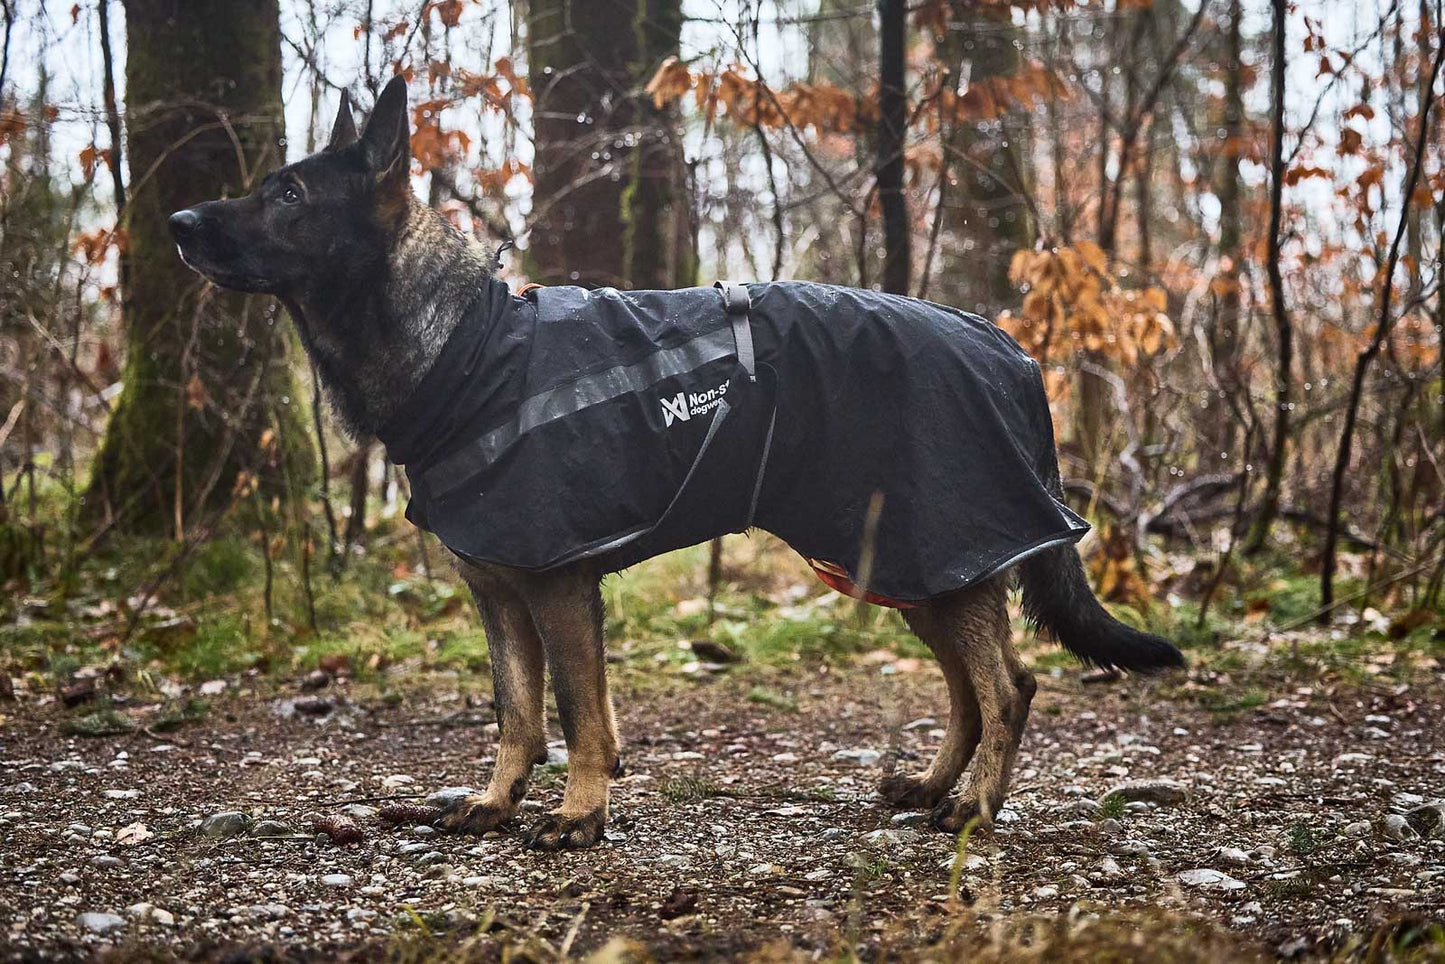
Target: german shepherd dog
375, 282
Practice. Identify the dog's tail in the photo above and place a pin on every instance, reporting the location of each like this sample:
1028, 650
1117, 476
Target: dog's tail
1057, 597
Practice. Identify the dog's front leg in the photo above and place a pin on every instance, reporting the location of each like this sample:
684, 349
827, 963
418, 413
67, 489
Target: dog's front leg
517, 682
566, 608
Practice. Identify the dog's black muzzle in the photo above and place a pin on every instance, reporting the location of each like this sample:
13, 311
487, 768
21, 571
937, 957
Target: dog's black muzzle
205, 237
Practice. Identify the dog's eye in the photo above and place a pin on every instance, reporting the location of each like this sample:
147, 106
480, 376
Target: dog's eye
290, 196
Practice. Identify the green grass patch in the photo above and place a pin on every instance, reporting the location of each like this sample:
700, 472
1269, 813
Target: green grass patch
767, 697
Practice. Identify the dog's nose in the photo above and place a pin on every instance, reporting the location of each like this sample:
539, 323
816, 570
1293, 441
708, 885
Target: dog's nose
184, 223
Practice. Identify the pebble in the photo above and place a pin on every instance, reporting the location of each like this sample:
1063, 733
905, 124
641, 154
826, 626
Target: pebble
1396, 827
360, 811
1232, 856
105, 861
336, 880
227, 823
1207, 879
557, 756
270, 828
909, 818
1429, 819
1357, 829
858, 757
886, 838
1108, 867
98, 923
1166, 793
446, 796
1111, 827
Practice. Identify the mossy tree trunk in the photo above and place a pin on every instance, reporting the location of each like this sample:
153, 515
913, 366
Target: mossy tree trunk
986, 216
581, 57
657, 248
209, 396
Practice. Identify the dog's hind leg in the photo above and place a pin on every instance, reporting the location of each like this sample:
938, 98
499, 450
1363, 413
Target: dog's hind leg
567, 610
978, 619
924, 791
518, 687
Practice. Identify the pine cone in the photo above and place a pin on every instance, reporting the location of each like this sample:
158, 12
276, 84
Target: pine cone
409, 814
342, 830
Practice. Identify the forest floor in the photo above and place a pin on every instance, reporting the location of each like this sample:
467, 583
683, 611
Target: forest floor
163, 762
747, 823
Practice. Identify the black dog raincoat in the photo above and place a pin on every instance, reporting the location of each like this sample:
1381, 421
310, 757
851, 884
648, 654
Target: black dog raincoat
902, 447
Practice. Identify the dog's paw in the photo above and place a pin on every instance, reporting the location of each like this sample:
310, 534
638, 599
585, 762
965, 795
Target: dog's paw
909, 793
471, 815
558, 831
951, 816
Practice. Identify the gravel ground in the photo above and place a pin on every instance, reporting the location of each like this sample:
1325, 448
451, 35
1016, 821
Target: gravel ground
746, 819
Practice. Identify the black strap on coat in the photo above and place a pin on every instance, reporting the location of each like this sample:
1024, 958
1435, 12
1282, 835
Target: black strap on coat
737, 303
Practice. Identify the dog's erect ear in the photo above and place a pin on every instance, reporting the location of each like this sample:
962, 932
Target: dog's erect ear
387, 138
343, 132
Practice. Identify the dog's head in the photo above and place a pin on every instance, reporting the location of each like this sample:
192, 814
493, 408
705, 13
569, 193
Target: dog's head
328, 217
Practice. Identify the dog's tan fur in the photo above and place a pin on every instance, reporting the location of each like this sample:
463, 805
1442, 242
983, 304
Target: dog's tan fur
555, 618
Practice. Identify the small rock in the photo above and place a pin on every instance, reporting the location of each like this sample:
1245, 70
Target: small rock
227, 823
1165, 793
447, 796
1111, 827
1232, 856
317, 679
909, 818
1357, 829
336, 880
713, 652
1045, 892
1346, 760
557, 756
360, 811
887, 838
270, 828
1396, 827
105, 862
98, 923
859, 757
1429, 819
922, 723
313, 706
1108, 867
1207, 879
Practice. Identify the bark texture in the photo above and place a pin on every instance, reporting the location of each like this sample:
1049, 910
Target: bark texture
208, 390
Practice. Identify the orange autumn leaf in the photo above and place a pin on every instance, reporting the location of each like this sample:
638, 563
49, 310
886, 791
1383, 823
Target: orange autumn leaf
670, 82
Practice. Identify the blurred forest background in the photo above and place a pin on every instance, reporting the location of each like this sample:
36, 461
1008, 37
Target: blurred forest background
1217, 224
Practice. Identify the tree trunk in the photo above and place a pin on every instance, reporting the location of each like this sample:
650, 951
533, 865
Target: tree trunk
1284, 329
892, 123
581, 57
206, 373
656, 245
986, 217
1225, 336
